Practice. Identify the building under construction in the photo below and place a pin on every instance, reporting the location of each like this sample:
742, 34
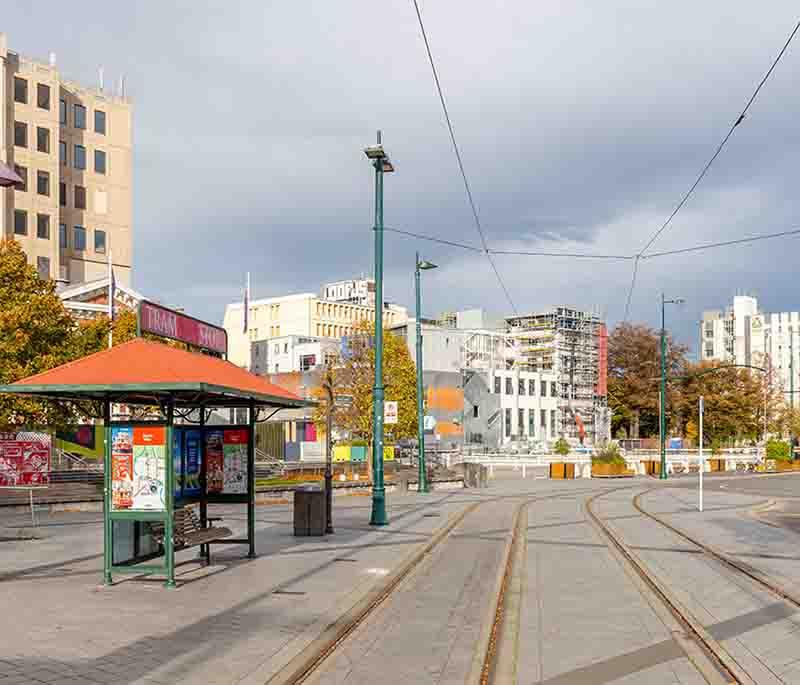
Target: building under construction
573, 346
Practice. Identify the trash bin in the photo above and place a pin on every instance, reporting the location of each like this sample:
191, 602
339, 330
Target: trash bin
309, 511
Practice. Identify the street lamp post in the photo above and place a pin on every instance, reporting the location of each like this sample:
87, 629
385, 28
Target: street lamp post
422, 481
663, 396
380, 160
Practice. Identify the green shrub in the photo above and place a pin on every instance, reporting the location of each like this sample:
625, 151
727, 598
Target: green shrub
779, 450
608, 454
562, 447
358, 442
716, 446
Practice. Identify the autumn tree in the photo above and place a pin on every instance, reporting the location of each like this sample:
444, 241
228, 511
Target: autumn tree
35, 334
352, 374
634, 368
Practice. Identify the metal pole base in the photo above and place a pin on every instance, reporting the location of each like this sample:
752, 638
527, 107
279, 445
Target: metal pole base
107, 579
252, 555
328, 503
662, 475
170, 584
378, 517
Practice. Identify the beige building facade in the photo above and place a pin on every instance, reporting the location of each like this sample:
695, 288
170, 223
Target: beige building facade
304, 314
72, 146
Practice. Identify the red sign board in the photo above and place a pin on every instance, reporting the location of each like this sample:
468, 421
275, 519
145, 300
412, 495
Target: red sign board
168, 323
24, 459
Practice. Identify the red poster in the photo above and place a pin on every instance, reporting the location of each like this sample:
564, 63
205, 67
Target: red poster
24, 459
215, 461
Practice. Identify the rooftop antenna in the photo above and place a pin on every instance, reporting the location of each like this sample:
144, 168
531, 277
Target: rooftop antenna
52, 59
100, 75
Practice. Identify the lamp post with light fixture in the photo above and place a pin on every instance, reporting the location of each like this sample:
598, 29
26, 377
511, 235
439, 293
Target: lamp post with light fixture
663, 397
422, 481
380, 160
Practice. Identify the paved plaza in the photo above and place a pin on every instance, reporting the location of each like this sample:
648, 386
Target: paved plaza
581, 617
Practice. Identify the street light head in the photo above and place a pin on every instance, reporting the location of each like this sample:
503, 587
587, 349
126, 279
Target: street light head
680, 300
388, 167
375, 152
424, 265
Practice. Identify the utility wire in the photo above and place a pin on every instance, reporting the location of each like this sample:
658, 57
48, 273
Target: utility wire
630, 290
460, 161
435, 240
738, 241
705, 169
738, 121
575, 255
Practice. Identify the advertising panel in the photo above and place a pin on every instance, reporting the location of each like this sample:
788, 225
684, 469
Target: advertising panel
138, 463
215, 460
24, 459
186, 457
235, 471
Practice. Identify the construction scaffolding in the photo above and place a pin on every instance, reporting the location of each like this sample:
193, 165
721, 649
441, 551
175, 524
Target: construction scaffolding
570, 343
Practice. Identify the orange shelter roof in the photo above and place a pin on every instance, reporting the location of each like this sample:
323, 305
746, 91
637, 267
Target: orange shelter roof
140, 370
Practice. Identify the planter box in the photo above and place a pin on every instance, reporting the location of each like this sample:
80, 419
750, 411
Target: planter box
341, 453
560, 470
611, 471
358, 453
780, 466
652, 467
716, 465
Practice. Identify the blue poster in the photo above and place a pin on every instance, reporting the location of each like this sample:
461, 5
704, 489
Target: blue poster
191, 448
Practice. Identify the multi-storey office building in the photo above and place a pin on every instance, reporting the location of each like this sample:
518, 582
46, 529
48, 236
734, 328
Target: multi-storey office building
72, 147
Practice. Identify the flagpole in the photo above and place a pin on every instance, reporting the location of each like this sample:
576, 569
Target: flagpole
110, 301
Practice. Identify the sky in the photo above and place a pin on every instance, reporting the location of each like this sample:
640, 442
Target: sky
581, 125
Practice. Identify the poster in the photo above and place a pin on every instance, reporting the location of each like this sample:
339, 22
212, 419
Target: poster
121, 468
24, 459
138, 468
191, 448
215, 459
235, 462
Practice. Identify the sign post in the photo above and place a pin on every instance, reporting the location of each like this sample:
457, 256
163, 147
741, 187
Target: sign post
390, 412
702, 461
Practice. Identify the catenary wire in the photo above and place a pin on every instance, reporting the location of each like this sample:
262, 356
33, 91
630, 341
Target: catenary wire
460, 161
633, 285
463, 246
738, 241
575, 255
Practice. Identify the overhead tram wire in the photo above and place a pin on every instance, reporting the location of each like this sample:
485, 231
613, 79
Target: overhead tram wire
725, 243
460, 161
452, 243
574, 255
705, 169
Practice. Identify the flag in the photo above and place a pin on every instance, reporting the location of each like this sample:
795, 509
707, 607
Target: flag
111, 289
246, 303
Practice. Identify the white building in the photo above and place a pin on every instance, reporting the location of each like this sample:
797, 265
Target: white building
291, 353
305, 314
354, 291
742, 334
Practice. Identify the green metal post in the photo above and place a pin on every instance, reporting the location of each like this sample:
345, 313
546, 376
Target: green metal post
663, 407
378, 517
108, 526
251, 482
423, 475
169, 500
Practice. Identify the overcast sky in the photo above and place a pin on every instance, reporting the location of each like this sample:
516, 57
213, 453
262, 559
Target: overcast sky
580, 123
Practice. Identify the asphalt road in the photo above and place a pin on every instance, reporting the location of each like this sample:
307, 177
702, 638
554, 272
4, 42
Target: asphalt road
768, 485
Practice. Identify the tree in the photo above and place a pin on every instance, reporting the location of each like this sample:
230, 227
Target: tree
35, 335
734, 399
91, 336
634, 369
353, 375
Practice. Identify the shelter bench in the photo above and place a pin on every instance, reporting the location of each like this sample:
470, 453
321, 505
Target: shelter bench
187, 531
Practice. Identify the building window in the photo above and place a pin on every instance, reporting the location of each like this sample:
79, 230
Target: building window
43, 139
544, 388
508, 422
543, 420
20, 222
709, 330
20, 90
79, 158
521, 384
553, 422
553, 389
80, 116
79, 239
22, 172
99, 241
475, 411
99, 122
42, 96
99, 162
62, 112
709, 349
80, 197
62, 153
531, 422
43, 183
62, 237
497, 382
531, 387
43, 267
521, 422
43, 226
509, 386
20, 134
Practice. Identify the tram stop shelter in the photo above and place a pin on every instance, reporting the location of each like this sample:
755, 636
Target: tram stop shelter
161, 466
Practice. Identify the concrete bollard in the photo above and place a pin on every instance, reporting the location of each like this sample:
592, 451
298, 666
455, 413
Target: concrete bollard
523, 470
491, 470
